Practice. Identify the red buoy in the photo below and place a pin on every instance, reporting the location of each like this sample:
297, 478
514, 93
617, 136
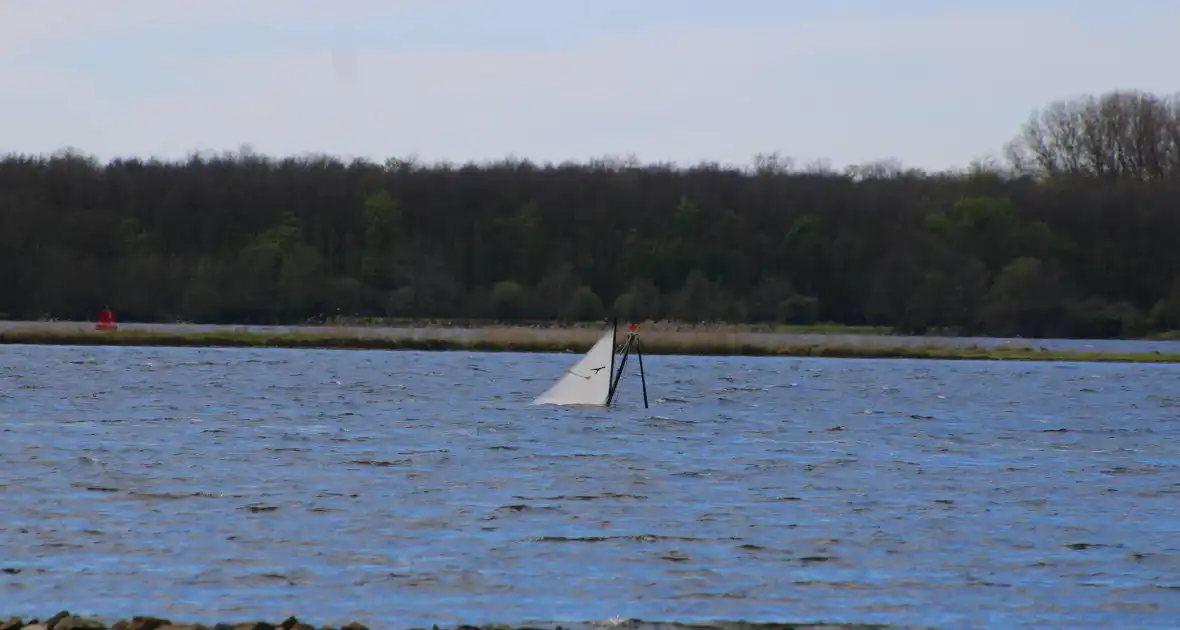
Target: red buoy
106, 320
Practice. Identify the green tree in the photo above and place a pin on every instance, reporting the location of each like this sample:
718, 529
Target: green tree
383, 219
1028, 297
1089, 192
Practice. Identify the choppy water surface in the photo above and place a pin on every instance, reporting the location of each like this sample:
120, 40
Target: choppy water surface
418, 488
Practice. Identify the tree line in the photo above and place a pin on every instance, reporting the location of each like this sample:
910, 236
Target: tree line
1074, 234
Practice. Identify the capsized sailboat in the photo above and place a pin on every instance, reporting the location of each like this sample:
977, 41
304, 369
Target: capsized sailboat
592, 380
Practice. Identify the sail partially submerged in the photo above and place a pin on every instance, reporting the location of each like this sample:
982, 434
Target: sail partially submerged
588, 381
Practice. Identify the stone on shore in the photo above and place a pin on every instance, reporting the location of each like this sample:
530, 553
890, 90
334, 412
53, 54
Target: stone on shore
141, 622
76, 622
64, 620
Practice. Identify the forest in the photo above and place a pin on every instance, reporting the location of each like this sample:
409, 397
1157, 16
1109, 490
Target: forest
1075, 232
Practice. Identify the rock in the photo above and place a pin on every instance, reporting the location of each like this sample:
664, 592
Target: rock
253, 625
302, 626
146, 622
76, 622
354, 626
36, 626
12, 624
52, 623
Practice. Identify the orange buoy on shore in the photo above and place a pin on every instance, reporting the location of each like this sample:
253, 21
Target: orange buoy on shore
106, 320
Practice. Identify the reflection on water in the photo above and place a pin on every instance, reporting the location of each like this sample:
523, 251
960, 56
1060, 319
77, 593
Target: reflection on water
420, 488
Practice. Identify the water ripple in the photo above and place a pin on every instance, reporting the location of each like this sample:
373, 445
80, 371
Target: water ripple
421, 487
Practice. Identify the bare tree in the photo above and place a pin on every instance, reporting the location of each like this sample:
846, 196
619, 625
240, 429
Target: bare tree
1118, 135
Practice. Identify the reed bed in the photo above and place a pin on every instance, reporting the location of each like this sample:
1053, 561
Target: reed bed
721, 342
648, 325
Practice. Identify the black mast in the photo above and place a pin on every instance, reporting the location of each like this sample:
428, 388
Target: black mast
614, 339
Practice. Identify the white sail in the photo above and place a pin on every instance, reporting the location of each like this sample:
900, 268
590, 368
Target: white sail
588, 381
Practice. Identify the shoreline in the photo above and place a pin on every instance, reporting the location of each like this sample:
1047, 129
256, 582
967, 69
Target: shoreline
570, 340
65, 620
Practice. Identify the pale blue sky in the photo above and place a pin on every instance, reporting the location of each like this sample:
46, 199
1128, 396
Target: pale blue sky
934, 84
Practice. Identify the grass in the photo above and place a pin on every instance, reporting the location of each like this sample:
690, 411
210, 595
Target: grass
656, 326
571, 340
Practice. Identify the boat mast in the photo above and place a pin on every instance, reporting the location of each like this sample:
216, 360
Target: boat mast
614, 339
632, 343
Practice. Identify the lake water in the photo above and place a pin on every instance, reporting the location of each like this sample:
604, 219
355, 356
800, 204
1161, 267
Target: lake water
411, 488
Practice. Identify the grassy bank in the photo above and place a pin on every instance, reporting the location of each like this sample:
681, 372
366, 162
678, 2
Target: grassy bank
571, 340
827, 328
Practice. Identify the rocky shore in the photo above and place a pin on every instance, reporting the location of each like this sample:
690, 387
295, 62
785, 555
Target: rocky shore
64, 620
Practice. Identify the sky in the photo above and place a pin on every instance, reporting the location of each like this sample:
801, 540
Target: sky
934, 84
